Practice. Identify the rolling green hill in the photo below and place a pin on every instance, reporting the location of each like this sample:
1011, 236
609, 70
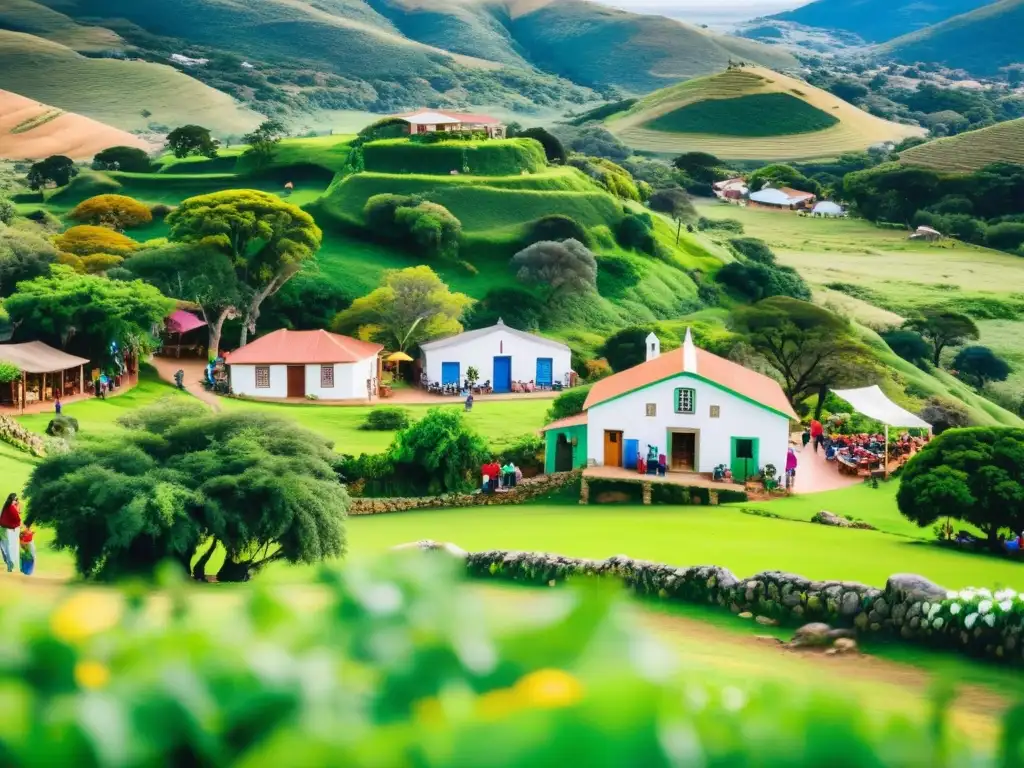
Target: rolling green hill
877, 20
982, 41
751, 113
33, 18
476, 158
114, 91
1000, 143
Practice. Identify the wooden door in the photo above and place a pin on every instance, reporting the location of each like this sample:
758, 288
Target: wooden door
684, 449
296, 381
612, 449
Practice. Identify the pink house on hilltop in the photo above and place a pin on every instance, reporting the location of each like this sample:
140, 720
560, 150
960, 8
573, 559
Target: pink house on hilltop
430, 121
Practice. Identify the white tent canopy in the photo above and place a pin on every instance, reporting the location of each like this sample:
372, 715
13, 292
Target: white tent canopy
873, 403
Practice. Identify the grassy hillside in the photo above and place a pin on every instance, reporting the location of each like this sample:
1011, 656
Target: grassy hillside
35, 18
324, 153
595, 45
113, 91
643, 126
982, 41
1000, 143
760, 114
31, 131
477, 158
877, 20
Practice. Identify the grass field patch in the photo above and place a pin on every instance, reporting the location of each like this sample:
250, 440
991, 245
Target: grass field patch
765, 114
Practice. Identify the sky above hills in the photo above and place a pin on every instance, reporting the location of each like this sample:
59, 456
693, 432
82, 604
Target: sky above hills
715, 13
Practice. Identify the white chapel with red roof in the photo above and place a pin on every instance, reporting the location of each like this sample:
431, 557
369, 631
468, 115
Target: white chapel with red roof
698, 409
300, 364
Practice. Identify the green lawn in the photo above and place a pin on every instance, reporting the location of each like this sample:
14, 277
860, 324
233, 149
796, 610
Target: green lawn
760, 114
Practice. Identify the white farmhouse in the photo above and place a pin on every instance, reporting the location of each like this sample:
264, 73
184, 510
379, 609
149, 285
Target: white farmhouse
699, 410
296, 364
500, 355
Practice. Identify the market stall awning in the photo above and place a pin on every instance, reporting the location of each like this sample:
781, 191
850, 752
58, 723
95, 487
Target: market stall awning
872, 402
183, 322
37, 357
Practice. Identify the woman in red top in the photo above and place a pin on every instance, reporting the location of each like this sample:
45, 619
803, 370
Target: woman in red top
10, 522
817, 434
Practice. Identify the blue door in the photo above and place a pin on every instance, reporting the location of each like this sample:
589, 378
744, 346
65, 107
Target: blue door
544, 367
503, 374
450, 373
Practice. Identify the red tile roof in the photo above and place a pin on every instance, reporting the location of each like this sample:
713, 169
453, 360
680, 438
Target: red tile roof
727, 374
568, 421
795, 194
286, 347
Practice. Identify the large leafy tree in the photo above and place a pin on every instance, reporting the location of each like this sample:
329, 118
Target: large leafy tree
200, 274
88, 239
56, 169
810, 348
267, 239
128, 159
628, 347
557, 268
119, 212
980, 365
412, 306
178, 482
442, 448
85, 313
943, 329
23, 256
191, 140
263, 142
974, 474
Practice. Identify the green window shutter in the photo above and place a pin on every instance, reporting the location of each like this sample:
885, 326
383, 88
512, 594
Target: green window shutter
685, 400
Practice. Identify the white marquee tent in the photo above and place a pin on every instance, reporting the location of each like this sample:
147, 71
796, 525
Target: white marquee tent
872, 402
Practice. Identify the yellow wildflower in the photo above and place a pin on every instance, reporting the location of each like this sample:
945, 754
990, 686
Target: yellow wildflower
496, 704
429, 711
91, 674
549, 688
85, 614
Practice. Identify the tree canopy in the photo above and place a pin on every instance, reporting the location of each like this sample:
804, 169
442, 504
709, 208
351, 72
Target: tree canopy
558, 268
129, 159
974, 474
782, 175
980, 365
179, 479
189, 140
810, 348
267, 239
553, 149
943, 329
910, 345
56, 169
87, 239
23, 256
673, 201
117, 212
412, 306
628, 347
85, 313
443, 446
514, 306
263, 142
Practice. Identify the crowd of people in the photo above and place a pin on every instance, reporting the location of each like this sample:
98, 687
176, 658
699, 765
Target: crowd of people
862, 449
17, 545
495, 476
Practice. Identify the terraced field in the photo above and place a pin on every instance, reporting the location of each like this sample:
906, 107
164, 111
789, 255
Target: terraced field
855, 130
1001, 143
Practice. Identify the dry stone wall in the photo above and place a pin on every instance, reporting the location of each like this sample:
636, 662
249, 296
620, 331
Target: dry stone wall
911, 608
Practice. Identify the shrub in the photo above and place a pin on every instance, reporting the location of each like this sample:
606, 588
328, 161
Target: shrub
910, 345
7, 211
943, 414
721, 225
1005, 236
730, 497
129, 159
441, 451
386, 419
980, 365
99, 263
161, 210
86, 240
62, 426
555, 227
625, 348
516, 307
558, 269
756, 281
635, 230
753, 249
569, 403
379, 211
553, 149
613, 177
527, 453
595, 370
432, 228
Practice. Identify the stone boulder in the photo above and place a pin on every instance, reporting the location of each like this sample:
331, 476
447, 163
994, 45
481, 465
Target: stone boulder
824, 517
818, 635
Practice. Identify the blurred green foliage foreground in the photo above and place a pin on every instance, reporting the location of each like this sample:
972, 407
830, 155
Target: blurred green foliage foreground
399, 665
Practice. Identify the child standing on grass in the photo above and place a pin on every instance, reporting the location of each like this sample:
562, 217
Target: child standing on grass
28, 551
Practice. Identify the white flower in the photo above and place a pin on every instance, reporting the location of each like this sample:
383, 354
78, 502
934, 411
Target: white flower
926, 607
938, 623
952, 595
955, 608
984, 606
967, 594
990, 619
984, 592
1006, 606
935, 609
969, 621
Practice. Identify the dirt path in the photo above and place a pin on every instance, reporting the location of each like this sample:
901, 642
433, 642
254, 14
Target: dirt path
166, 367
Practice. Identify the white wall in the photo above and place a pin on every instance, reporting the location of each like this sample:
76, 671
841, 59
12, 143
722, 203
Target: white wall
243, 381
738, 418
480, 352
349, 380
